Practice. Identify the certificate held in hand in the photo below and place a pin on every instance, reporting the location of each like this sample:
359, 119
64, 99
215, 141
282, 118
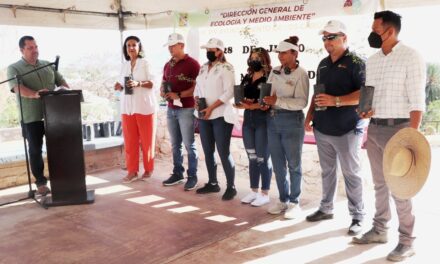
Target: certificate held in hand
265, 89
238, 94
366, 99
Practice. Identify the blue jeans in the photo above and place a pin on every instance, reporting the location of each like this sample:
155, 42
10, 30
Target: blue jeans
181, 128
285, 137
217, 132
257, 149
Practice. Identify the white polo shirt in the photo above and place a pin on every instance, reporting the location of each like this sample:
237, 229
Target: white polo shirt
216, 84
292, 89
143, 100
399, 80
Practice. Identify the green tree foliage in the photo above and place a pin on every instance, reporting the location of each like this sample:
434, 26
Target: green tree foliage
431, 119
433, 111
9, 113
432, 82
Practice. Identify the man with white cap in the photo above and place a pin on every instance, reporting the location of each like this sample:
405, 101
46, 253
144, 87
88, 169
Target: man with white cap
337, 128
285, 126
178, 84
398, 74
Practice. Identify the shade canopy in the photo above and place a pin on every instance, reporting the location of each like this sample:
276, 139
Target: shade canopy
135, 14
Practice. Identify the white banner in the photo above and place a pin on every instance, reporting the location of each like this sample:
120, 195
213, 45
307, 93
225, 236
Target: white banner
299, 10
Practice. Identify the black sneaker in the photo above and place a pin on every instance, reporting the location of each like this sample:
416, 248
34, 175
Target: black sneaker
229, 194
173, 180
355, 227
318, 216
191, 183
209, 188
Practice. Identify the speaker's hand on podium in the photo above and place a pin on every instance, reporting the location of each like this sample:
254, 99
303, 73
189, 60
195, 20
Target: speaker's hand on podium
37, 93
62, 87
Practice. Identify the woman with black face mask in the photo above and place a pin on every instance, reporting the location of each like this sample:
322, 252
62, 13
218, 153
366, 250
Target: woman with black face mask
255, 128
214, 91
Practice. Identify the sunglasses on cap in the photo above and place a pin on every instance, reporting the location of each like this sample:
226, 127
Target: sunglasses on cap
331, 37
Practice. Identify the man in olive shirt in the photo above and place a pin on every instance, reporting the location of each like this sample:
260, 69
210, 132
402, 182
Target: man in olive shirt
45, 79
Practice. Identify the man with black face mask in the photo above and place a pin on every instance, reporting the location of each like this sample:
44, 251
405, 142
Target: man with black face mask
398, 74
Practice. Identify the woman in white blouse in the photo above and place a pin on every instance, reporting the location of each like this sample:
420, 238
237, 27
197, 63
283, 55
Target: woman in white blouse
285, 125
215, 84
138, 105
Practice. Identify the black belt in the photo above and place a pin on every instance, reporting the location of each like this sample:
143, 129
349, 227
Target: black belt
388, 121
279, 111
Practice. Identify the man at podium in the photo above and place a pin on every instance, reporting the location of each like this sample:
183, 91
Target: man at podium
32, 84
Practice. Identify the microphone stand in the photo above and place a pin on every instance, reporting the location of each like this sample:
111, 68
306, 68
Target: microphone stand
18, 78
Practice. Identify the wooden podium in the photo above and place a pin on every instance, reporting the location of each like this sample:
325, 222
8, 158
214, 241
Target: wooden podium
64, 145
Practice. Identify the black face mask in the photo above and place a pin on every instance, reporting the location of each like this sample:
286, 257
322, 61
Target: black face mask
375, 40
255, 65
211, 56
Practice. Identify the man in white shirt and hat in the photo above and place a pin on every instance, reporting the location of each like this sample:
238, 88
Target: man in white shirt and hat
398, 74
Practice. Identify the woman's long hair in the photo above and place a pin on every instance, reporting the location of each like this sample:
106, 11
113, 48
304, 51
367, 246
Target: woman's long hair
124, 48
264, 57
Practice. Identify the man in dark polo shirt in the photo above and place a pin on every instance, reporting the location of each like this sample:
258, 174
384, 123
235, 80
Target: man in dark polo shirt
45, 79
338, 129
178, 84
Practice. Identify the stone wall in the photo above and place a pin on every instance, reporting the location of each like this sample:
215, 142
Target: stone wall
10, 134
14, 173
311, 185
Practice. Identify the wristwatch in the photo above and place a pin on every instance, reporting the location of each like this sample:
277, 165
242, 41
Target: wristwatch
337, 101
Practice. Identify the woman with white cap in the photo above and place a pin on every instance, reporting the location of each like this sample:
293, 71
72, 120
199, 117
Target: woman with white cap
289, 96
215, 84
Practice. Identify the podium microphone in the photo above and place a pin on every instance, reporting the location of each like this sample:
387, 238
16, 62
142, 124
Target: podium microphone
57, 60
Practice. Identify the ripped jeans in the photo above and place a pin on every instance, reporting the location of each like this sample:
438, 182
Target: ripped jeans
257, 149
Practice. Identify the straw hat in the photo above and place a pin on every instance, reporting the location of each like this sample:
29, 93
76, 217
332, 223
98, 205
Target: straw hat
406, 163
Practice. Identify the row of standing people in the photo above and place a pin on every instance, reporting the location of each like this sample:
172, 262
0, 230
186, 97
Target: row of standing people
276, 129
396, 71
273, 133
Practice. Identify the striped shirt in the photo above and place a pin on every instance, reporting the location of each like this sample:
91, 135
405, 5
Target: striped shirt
399, 79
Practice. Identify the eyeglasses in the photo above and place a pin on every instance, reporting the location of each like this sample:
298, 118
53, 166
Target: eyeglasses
331, 37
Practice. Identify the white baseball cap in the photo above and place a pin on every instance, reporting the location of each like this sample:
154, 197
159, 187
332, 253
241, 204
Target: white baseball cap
285, 46
173, 39
214, 43
333, 27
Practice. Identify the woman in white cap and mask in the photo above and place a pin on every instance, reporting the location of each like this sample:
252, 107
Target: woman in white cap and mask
215, 84
289, 96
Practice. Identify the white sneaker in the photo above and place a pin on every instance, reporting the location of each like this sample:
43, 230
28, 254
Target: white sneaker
261, 199
249, 198
277, 208
293, 211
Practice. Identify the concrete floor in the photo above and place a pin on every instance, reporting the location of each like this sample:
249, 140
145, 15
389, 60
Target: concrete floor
143, 222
